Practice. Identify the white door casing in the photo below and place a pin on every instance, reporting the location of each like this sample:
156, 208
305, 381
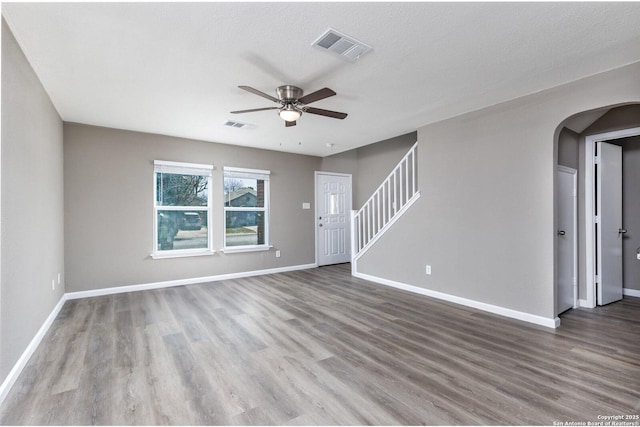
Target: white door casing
567, 239
610, 229
333, 220
590, 207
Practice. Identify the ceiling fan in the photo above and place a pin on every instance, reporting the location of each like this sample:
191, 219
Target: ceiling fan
293, 103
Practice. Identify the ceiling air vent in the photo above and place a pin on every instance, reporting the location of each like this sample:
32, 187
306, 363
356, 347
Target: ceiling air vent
342, 45
238, 125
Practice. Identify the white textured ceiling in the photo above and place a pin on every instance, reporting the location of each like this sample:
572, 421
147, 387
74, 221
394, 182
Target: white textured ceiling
174, 68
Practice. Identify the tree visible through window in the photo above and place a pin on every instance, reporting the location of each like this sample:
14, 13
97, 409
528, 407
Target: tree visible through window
182, 208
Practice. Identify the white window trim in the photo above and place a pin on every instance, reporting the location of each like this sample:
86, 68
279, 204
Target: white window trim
242, 172
260, 174
182, 253
248, 248
165, 166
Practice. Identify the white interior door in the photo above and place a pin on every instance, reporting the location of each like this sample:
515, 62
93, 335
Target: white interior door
609, 227
566, 235
333, 218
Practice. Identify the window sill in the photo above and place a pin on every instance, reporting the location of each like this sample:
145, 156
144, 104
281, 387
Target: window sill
181, 254
241, 249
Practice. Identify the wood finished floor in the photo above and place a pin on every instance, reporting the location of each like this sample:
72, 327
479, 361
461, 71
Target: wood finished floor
321, 347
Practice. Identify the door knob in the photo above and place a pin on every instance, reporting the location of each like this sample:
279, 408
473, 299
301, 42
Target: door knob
561, 233
621, 231
319, 225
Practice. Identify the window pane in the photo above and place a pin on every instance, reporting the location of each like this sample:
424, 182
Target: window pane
245, 228
334, 204
244, 192
181, 190
182, 230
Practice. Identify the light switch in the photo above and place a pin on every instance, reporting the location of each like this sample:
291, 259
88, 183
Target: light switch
306, 205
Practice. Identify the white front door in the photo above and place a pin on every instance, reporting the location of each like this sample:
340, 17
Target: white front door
566, 235
333, 218
609, 229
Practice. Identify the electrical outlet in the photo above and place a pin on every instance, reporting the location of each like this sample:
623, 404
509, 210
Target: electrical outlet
277, 254
428, 270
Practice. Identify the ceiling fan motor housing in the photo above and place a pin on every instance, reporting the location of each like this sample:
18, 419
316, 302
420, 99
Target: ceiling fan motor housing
289, 93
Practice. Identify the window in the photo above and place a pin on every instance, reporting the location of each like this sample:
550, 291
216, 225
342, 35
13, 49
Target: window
182, 209
246, 209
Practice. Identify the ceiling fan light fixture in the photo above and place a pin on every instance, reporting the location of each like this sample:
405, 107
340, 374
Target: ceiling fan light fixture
289, 113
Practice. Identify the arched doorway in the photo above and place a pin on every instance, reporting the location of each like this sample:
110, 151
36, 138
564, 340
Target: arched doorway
576, 137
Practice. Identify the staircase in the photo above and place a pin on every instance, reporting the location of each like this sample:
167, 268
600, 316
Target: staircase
393, 198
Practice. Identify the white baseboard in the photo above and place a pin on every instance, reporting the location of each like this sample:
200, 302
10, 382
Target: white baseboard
13, 375
502, 311
583, 303
631, 292
182, 282
625, 291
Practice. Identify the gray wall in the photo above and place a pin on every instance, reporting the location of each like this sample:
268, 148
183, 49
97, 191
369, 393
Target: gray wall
485, 221
622, 117
370, 164
31, 206
345, 162
568, 148
108, 182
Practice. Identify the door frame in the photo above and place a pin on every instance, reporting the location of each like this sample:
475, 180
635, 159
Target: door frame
315, 207
574, 210
589, 206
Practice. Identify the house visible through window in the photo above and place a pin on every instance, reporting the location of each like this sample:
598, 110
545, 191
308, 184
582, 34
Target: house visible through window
246, 208
182, 209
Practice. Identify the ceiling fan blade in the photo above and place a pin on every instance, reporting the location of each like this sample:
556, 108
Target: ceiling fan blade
326, 113
316, 96
254, 109
257, 92
289, 124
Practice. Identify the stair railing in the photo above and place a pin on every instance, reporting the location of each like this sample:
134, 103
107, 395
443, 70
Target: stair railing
390, 200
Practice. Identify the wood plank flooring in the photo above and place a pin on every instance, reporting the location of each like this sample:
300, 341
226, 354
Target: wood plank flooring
319, 347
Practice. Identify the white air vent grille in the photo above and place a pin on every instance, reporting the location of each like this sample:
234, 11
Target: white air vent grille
342, 45
239, 125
